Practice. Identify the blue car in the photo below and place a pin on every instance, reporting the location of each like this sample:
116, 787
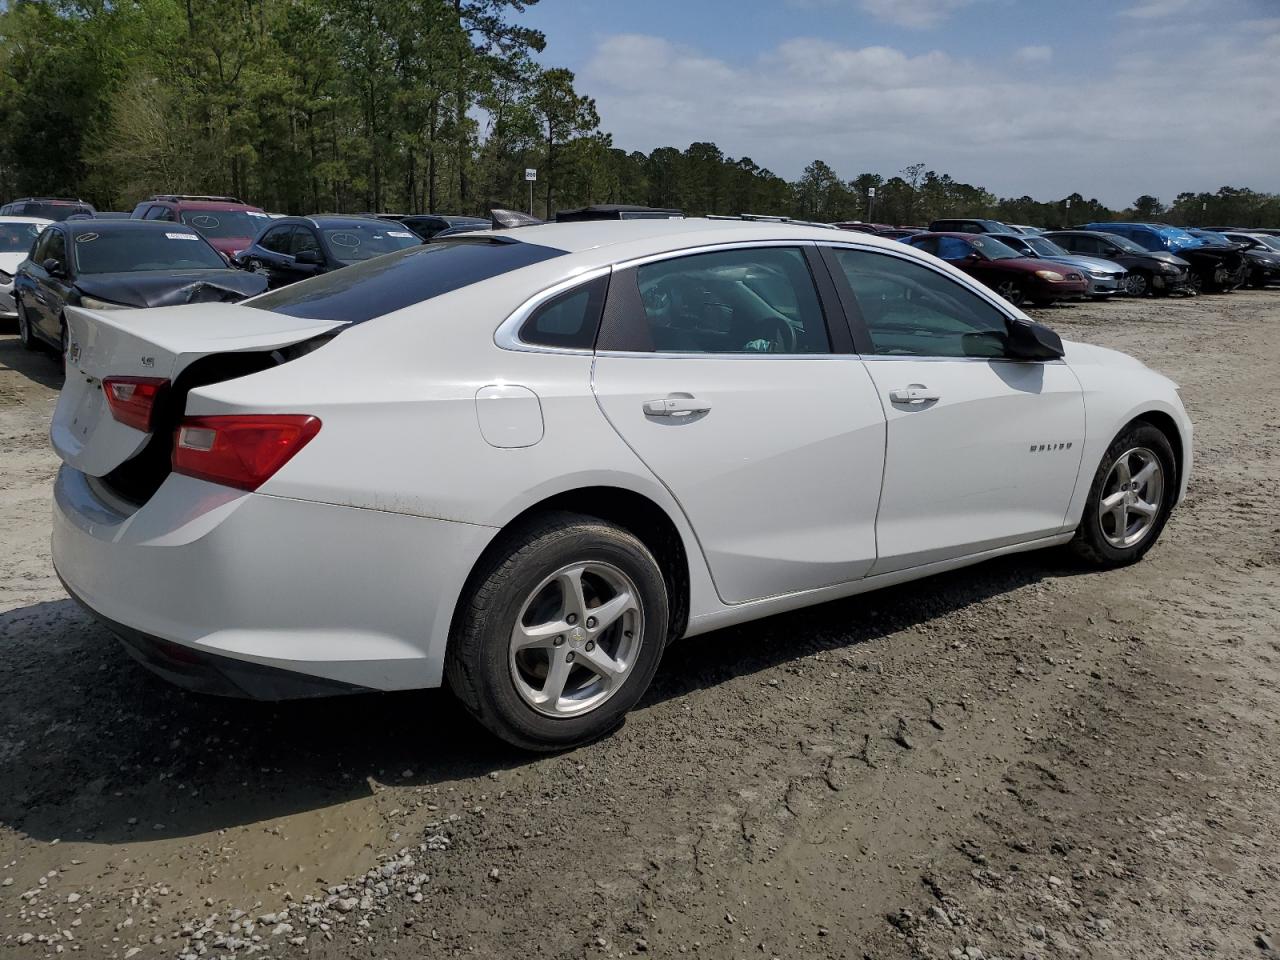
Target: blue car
1213, 267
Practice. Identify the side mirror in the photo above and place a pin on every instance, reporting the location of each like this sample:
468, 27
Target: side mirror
53, 267
310, 258
1029, 340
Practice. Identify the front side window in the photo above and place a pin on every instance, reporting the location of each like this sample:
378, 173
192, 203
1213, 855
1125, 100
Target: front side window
277, 240
128, 251
57, 247
912, 310
749, 301
304, 239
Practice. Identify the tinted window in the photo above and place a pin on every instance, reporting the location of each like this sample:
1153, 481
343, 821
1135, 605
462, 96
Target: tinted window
277, 240
57, 247
17, 237
911, 310
40, 253
56, 211
570, 319
224, 223
953, 248
406, 277
364, 240
127, 251
735, 301
304, 238
158, 213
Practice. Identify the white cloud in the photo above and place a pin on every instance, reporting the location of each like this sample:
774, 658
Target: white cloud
916, 14
1112, 132
1157, 9
1033, 54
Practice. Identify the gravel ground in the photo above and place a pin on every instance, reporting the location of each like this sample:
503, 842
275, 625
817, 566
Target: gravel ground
1022, 759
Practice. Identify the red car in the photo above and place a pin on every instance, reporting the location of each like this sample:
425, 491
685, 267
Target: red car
1017, 278
227, 223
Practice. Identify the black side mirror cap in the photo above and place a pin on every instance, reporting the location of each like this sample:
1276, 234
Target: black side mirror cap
1032, 341
53, 267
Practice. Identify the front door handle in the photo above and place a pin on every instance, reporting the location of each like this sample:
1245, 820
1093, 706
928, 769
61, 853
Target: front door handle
675, 407
915, 394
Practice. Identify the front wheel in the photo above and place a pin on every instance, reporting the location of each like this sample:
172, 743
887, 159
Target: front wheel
1137, 285
25, 336
560, 632
1130, 499
1011, 291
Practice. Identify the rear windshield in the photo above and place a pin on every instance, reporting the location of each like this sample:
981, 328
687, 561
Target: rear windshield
55, 211
17, 237
126, 251
389, 283
225, 223
354, 242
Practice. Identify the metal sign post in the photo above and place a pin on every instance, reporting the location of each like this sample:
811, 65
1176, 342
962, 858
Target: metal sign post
530, 174
871, 201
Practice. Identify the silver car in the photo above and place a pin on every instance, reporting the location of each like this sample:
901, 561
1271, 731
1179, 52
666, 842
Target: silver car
1106, 279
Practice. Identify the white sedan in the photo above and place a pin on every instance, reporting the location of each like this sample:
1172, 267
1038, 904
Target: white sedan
17, 234
521, 463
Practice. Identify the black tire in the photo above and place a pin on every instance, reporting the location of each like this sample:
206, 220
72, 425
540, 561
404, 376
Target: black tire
26, 336
1090, 542
1139, 285
1012, 291
478, 667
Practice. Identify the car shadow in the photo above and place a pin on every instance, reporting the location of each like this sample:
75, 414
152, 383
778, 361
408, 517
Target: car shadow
38, 365
90, 740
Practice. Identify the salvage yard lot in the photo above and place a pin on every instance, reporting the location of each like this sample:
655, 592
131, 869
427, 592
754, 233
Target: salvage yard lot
1023, 758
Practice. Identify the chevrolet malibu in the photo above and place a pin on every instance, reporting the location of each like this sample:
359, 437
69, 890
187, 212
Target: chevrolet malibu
521, 463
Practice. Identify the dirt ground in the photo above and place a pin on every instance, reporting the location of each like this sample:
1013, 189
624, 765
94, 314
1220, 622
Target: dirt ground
1024, 759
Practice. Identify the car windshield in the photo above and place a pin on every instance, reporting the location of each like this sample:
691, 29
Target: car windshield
1125, 244
1046, 248
17, 237
412, 275
994, 249
128, 251
225, 223
354, 242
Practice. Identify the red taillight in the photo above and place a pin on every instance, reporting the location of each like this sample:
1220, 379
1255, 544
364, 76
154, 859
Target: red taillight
240, 451
133, 399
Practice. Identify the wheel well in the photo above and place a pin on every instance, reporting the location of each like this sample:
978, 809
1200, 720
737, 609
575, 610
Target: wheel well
1169, 427
636, 514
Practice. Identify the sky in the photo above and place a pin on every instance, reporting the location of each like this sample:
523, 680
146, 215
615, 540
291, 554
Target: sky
1110, 98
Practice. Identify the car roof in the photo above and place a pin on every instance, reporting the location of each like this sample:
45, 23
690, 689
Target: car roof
39, 220
210, 204
334, 220
110, 226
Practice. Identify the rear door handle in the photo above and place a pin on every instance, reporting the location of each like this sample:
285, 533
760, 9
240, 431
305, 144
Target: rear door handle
675, 407
915, 394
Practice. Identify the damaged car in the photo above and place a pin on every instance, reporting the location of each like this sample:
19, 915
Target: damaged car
110, 264
1215, 268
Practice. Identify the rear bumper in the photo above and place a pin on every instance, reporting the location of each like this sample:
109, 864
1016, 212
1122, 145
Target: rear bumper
253, 595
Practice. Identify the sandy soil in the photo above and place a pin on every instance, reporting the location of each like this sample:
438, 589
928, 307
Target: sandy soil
1023, 759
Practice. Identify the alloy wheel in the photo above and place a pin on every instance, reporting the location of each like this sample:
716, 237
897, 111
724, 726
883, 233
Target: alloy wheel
1131, 498
576, 639
1011, 292
1196, 282
1136, 285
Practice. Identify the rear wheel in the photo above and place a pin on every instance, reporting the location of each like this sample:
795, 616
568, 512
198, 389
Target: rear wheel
1130, 499
560, 632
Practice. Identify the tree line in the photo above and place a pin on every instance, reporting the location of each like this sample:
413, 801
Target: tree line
401, 105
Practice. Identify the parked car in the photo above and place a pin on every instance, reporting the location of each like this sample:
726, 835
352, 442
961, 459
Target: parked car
227, 223
1150, 272
46, 208
1261, 254
968, 226
1105, 278
17, 235
294, 248
899, 233
427, 225
109, 264
456, 465
1017, 278
1211, 269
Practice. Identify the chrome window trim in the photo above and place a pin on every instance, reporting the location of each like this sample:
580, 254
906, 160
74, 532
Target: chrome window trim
507, 336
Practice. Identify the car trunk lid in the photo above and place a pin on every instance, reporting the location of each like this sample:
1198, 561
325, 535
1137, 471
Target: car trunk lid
158, 343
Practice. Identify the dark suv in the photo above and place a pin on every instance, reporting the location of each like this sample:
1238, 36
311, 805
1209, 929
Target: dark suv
47, 208
227, 223
969, 226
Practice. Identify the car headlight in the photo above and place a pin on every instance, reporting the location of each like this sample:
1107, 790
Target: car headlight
1169, 268
1053, 276
94, 304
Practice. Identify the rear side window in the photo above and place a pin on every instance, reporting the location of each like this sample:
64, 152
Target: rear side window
389, 283
569, 320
